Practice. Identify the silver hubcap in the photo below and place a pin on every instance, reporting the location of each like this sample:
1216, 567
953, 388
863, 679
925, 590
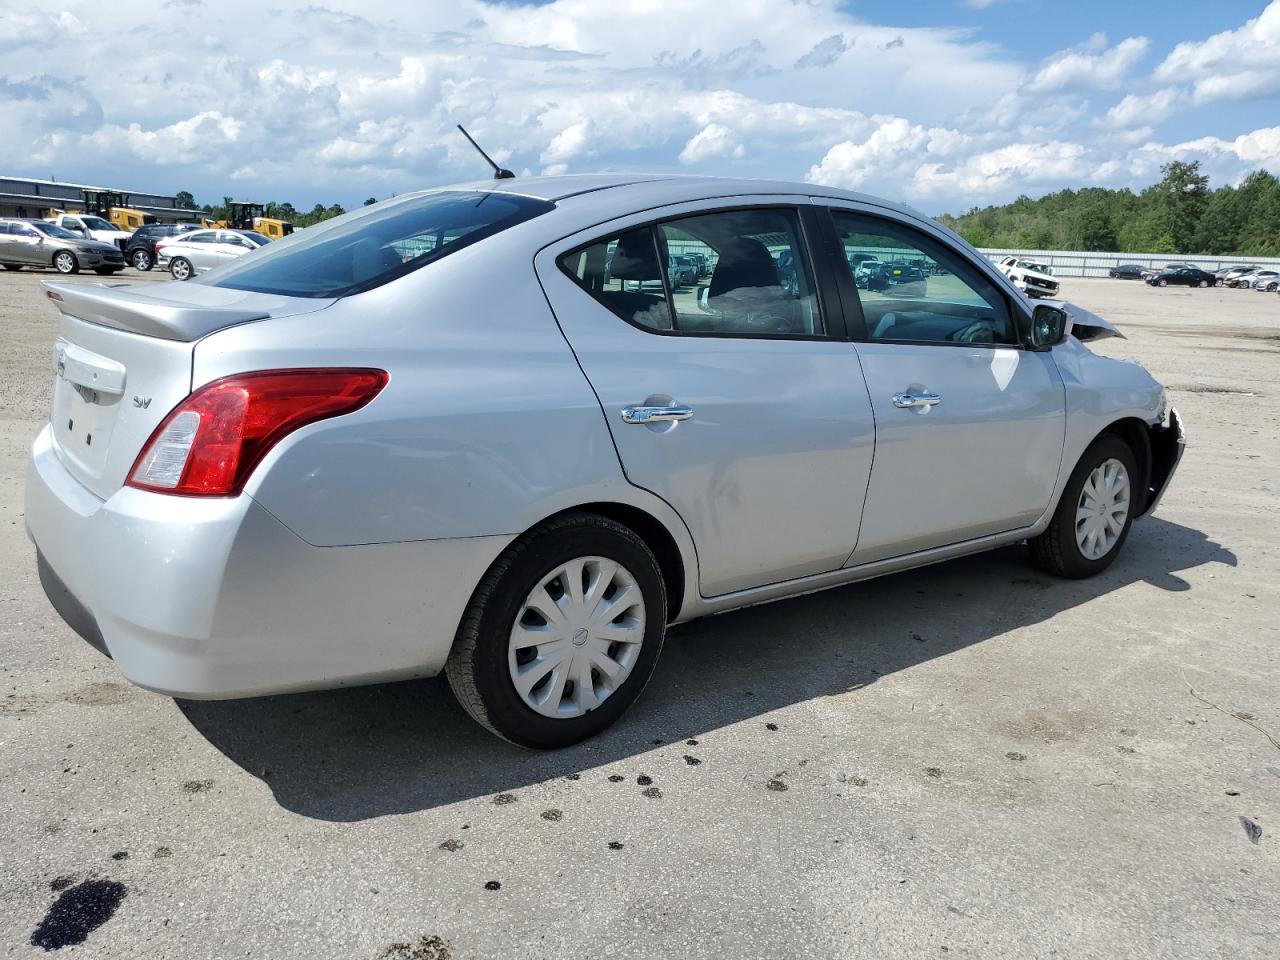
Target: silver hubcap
180, 269
140, 260
64, 262
1103, 509
577, 637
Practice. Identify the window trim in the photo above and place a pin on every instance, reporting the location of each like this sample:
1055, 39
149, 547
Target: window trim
849, 291
828, 312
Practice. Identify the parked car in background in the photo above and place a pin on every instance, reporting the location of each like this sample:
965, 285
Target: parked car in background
1182, 277
90, 227
326, 464
1242, 278
140, 252
1227, 274
1150, 272
1265, 280
1032, 278
190, 254
902, 279
691, 267
681, 273
37, 243
1125, 271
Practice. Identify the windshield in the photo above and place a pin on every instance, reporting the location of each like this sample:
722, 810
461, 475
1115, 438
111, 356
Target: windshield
55, 231
369, 247
96, 223
258, 238
1037, 267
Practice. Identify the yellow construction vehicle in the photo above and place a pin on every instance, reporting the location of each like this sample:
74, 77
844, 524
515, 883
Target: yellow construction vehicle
114, 207
246, 215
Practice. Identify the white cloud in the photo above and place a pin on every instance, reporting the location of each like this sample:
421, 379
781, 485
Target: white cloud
1092, 65
1145, 109
713, 140
1232, 65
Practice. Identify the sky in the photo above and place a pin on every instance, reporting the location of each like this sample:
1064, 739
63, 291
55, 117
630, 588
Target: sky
944, 105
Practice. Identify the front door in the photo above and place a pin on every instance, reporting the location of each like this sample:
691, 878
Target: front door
969, 425
726, 395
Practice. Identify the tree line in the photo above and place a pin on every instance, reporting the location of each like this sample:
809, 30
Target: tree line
1180, 214
279, 211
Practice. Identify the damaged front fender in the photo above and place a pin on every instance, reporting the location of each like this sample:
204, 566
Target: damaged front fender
1168, 441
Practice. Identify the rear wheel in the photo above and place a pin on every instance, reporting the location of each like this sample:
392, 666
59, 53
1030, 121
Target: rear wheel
562, 634
141, 260
1094, 515
1164, 283
1203, 283
65, 262
180, 268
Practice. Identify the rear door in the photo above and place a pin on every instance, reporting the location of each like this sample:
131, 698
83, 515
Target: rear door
969, 424
733, 399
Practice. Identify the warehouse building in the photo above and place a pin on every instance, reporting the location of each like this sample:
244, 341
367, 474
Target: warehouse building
25, 197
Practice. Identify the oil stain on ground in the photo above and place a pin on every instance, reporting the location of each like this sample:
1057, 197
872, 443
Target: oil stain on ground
77, 913
427, 948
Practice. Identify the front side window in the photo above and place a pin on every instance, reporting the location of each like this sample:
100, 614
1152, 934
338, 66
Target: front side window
730, 273
914, 288
374, 245
97, 223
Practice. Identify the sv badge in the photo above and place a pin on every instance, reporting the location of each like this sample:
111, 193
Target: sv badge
142, 402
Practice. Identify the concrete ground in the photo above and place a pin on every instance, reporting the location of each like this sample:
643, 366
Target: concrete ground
969, 760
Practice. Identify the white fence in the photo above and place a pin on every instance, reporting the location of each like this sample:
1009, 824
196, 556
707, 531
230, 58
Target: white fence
1080, 263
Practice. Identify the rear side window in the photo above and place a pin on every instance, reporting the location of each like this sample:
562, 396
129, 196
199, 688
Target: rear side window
735, 273
370, 247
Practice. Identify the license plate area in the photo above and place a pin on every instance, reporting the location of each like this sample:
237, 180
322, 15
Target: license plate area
87, 392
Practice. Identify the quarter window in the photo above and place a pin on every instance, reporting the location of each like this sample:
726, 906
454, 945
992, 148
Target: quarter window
732, 273
914, 288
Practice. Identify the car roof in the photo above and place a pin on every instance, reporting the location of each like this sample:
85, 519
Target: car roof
640, 191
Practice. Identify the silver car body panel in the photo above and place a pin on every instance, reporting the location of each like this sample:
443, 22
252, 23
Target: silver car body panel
357, 542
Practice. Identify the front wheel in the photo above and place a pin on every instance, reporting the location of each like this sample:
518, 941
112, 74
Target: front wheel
562, 634
1203, 283
141, 260
180, 268
66, 262
1094, 515
1164, 283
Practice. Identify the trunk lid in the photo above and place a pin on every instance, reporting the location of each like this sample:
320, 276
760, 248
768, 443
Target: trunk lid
123, 360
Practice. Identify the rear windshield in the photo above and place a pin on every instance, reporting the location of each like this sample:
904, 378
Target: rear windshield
369, 247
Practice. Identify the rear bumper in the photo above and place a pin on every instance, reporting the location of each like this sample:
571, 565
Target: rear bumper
216, 598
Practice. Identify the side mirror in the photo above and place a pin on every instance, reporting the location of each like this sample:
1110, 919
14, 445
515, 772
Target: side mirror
1048, 327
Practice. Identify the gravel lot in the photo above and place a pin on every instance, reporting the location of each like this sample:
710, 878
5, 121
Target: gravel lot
970, 760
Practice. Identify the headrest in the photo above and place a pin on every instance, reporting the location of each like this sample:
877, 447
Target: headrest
634, 258
743, 263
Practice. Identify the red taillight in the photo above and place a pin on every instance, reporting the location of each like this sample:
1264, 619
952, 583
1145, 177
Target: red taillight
210, 443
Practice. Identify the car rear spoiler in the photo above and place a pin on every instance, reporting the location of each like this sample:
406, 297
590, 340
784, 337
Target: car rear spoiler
127, 307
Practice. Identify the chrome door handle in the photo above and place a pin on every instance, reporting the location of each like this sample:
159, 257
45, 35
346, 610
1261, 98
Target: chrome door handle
923, 399
669, 414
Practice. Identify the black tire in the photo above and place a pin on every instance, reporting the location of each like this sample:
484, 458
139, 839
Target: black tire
477, 668
1164, 283
141, 260
65, 262
179, 265
1056, 550
13, 266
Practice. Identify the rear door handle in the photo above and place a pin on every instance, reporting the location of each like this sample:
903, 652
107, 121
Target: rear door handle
924, 398
672, 413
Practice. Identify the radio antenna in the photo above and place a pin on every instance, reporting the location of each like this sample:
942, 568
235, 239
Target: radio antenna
499, 173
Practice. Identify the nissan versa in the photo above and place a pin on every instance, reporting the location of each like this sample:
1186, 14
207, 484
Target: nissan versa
476, 430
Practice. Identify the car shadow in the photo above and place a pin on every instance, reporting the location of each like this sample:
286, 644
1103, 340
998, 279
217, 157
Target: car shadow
353, 754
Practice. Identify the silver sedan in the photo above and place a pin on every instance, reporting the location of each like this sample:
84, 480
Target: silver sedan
188, 254
477, 430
